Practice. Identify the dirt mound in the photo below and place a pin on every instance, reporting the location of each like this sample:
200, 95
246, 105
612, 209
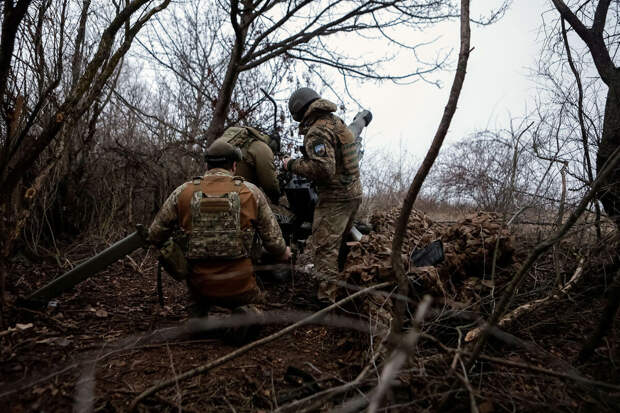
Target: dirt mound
369, 259
469, 247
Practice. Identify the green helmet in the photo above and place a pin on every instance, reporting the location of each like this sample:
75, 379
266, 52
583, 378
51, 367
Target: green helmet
221, 151
299, 101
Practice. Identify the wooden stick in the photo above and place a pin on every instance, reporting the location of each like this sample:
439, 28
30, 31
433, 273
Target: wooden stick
532, 305
400, 227
541, 248
606, 321
549, 372
399, 356
215, 363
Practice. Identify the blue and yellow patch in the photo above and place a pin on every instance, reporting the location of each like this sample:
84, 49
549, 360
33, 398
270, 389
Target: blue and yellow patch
320, 149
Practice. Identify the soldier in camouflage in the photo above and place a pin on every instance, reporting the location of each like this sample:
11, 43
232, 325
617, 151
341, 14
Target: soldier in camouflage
331, 161
224, 276
257, 165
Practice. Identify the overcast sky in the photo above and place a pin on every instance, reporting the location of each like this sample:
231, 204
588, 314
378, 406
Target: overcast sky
497, 84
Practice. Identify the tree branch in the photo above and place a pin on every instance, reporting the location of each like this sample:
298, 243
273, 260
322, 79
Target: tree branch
209, 366
418, 180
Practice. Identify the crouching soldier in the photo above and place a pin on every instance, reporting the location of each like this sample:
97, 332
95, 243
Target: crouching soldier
220, 214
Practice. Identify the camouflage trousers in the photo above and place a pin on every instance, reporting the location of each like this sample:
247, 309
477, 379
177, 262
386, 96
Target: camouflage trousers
332, 222
201, 304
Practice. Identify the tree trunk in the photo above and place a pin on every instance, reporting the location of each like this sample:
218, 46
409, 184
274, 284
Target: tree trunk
610, 194
220, 112
418, 180
241, 21
13, 15
606, 321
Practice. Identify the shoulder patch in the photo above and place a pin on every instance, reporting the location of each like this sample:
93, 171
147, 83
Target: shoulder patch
319, 149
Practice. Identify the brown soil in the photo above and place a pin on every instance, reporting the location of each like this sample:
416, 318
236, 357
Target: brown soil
98, 341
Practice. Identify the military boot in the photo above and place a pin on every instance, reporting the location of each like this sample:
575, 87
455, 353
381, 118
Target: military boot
327, 293
243, 334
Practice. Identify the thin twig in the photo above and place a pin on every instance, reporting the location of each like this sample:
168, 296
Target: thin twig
179, 398
533, 305
85, 389
541, 248
399, 356
400, 307
209, 366
473, 407
549, 372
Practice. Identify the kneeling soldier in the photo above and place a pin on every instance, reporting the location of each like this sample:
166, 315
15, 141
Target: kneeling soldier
219, 214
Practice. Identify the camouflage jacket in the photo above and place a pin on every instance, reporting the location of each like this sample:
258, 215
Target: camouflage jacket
221, 277
265, 224
330, 157
257, 165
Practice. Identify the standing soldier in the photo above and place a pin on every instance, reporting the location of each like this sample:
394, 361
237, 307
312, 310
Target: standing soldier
220, 213
331, 161
257, 165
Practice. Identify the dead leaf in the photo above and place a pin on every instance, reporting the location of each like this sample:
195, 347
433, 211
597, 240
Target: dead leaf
486, 407
472, 335
119, 363
101, 313
62, 342
488, 283
41, 390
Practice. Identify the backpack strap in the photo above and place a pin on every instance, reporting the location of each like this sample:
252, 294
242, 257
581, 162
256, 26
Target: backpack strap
255, 134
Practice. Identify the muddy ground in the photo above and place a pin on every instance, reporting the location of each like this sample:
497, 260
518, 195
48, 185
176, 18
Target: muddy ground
101, 344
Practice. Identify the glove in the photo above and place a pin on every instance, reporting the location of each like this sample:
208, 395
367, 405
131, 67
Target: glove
288, 162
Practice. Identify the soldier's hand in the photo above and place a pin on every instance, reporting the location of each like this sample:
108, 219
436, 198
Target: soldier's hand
285, 162
287, 255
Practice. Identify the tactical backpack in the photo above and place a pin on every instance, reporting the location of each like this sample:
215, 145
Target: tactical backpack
216, 227
243, 136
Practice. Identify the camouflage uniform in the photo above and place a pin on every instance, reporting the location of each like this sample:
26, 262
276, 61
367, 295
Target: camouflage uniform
257, 165
331, 161
226, 282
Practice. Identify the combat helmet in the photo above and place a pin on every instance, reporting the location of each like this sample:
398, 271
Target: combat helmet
222, 151
299, 101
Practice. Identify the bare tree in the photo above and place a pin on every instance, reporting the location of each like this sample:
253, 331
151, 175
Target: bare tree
39, 113
429, 159
42, 119
599, 38
12, 15
490, 170
189, 52
300, 30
